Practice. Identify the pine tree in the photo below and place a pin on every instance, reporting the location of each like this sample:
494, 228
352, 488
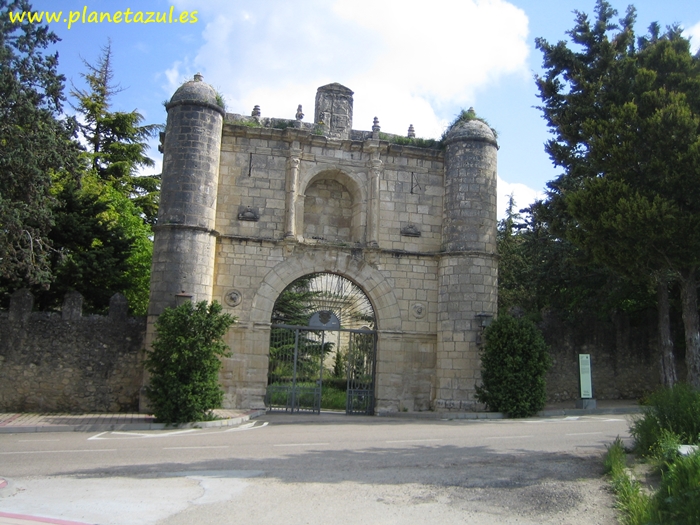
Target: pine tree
625, 114
35, 143
116, 141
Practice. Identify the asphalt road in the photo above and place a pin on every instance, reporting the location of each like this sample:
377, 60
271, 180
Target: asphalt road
309, 469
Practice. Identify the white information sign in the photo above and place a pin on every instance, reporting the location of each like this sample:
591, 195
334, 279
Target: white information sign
584, 364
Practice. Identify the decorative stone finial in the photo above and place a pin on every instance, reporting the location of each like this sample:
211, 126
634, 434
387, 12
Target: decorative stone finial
411, 132
300, 113
375, 128
198, 77
256, 112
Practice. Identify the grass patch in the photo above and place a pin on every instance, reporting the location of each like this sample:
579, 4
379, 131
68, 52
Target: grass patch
332, 397
668, 411
670, 418
678, 497
635, 505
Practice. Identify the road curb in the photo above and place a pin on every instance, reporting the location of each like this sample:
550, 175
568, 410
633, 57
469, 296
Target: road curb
106, 427
500, 415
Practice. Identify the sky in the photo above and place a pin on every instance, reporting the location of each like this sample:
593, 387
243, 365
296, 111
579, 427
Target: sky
408, 62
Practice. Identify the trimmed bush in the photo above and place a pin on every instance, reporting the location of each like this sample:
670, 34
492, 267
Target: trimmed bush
185, 360
514, 365
673, 410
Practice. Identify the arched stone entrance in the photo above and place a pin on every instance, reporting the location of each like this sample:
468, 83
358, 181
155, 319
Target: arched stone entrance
249, 204
322, 347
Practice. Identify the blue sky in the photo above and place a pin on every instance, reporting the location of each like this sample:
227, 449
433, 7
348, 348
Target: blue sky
408, 62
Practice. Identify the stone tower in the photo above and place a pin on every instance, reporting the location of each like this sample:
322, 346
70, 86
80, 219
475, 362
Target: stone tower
468, 271
183, 251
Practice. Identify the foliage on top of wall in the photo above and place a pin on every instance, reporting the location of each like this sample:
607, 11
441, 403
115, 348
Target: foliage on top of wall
408, 141
220, 101
465, 116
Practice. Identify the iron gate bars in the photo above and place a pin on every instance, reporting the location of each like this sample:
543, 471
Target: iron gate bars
296, 367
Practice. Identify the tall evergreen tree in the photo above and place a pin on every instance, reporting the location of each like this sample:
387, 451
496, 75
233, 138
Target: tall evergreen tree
626, 116
116, 140
35, 144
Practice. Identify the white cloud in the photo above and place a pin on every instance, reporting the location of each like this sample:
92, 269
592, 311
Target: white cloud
407, 63
694, 34
523, 196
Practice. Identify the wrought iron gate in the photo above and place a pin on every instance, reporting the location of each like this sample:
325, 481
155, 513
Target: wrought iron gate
300, 356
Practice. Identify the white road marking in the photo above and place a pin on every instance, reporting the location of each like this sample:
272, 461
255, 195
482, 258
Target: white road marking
248, 426
412, 440
584, 434
195, 448
116, 434
58, 451
36, 440
300, 444
508, 437
135, 435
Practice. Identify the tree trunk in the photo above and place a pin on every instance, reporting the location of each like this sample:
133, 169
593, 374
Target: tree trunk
691, 324
667, 358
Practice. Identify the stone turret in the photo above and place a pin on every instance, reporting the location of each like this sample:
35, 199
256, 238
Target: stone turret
183, 252
468, 271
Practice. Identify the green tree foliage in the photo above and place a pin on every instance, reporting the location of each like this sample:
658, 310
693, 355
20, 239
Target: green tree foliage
625, 115
185, 360
294, 306
116, 141
101, 246
35, 144
90, 250
514, 367
105, 241
68, 220
542, 272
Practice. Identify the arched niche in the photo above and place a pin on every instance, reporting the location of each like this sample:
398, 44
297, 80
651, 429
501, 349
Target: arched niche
332, 208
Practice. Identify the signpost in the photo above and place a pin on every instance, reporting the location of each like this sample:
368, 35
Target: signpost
584, 364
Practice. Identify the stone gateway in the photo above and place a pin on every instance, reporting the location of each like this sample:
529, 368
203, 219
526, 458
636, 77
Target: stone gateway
251, 204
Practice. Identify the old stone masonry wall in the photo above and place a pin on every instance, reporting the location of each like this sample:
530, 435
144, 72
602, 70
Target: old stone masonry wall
249, 204
64, 362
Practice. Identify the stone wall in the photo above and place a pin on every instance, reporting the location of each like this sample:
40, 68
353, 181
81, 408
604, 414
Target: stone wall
624, 356
64, 362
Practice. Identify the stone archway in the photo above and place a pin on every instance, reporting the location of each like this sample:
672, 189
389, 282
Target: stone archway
322, 347
372, 282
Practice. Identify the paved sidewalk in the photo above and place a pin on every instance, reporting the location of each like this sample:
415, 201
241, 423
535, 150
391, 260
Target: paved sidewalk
565, 408
18, 422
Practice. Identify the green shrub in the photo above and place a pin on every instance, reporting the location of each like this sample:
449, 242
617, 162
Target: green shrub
678, 498
185, 360
514, 365
675, 410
